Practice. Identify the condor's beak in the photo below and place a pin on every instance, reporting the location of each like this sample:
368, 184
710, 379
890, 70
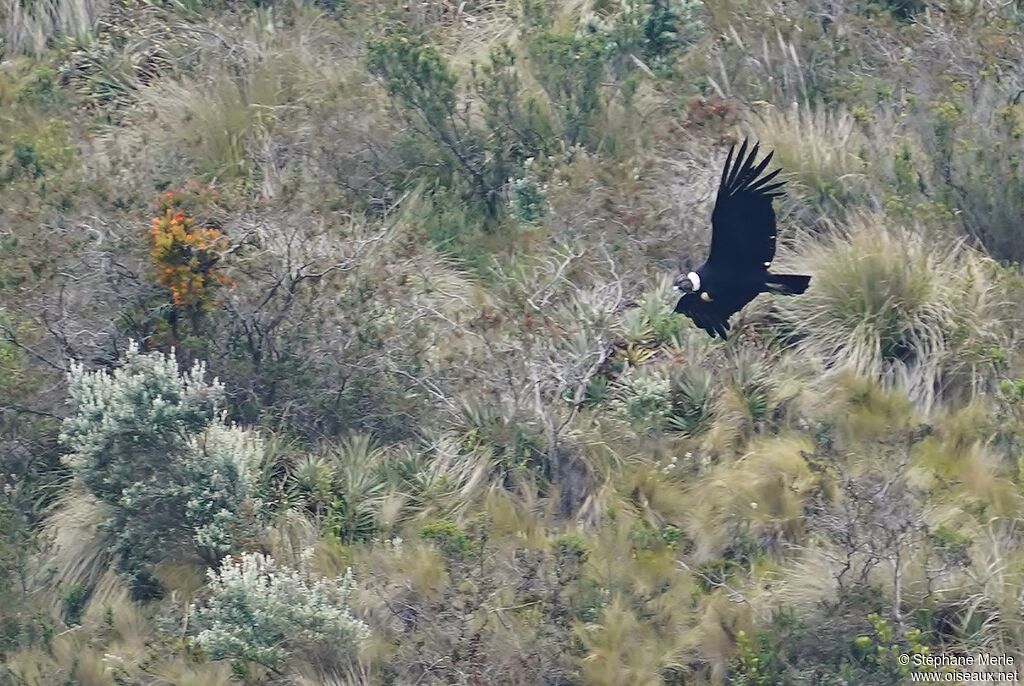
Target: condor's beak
683, 284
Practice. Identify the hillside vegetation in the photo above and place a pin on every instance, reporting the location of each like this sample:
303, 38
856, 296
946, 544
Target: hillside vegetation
336, 345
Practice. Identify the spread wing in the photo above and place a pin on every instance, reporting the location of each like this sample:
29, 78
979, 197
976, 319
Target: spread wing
743, 221
712, 316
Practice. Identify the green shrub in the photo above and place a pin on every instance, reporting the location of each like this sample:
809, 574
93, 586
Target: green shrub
464, 157
654, 31
73, 600
570, 68
879, 651
901, 9
451, 539
20, 622
44, 149
517, 126
756, 663
528, 204
420, 79
40, 89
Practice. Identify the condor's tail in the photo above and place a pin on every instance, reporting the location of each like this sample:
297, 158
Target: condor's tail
786, 284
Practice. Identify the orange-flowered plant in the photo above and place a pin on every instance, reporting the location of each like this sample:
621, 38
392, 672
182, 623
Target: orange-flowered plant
186, 254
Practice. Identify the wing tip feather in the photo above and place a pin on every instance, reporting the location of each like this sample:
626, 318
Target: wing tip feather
740, 173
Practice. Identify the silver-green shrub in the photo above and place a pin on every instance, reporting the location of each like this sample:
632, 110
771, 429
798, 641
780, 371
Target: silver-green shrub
264, 612
153, 443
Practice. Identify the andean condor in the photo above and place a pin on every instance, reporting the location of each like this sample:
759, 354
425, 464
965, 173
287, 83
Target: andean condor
742, 247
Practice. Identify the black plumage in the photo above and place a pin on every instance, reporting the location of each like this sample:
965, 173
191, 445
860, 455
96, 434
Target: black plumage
743, 235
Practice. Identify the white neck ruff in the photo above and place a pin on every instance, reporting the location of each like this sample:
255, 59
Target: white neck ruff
695, 280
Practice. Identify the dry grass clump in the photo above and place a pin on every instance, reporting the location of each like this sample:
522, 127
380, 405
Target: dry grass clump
29, 26
764, 492
221, 115
888, 303
78, 551
821, 150
214, 122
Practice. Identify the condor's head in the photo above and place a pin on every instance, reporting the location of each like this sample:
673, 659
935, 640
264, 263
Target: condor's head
687, 283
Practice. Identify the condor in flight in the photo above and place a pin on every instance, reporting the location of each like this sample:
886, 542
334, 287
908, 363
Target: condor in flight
742, 248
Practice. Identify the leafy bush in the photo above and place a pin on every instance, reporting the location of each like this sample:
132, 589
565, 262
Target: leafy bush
21, 624
185, 255
570, 68
527, 199
478, 161
880, 651
757, 663
261, 611
44, 150
645, 399
901, 9
152, 443
654, 31
452, 540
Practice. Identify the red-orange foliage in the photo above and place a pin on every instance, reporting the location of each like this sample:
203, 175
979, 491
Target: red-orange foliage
714, 115
185, 255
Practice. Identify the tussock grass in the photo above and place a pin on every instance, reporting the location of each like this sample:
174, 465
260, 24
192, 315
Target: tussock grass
820, 150
179, 672
992, 612
29, 26
221, 113
214, 122
760, 65
71, 654
805, 584
763, 492
78, 653
863, 408
79, 549
622, 649
290, 536
887, 303
712, 636
775, 482
973, 473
